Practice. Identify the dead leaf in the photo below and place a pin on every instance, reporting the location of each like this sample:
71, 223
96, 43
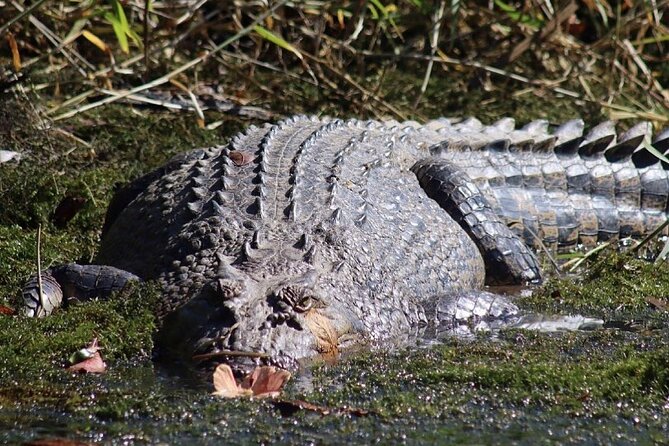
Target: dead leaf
263, 382
240, 158
95, 40
658, 303
225, 384
94, 364
266, 381
16, 56
66, 210
7, 311
88, 359
8, 155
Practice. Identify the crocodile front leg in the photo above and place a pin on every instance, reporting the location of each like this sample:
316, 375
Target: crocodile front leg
466, 313
63, 283
507, 259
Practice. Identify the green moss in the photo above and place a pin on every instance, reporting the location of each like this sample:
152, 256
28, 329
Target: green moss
611, 286
33, 352
523, 372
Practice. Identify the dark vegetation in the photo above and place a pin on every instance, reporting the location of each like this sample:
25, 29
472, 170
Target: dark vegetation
65, 71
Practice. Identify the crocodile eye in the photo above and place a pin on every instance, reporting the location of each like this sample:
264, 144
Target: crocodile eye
298, 298
305, 304
229, 289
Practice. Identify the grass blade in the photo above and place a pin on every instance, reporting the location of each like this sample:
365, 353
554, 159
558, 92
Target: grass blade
276, 40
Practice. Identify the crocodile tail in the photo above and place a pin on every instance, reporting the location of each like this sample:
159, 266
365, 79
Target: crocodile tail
566, 187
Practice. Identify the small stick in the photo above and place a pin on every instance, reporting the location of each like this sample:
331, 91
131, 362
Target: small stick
232, 353
39, 264
22, 14
146, 39
434, 42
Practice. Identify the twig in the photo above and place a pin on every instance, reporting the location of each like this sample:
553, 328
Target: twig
147, 3
345, 76
39, 264
434, 42
21, 15
230, 353
215, 104
562, 15
573, 264
57, 42
650, 236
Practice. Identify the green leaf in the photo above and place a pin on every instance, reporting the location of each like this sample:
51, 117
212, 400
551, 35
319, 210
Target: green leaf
276, 40
119, 31
122, 29
75, 31
518, 16
656, 153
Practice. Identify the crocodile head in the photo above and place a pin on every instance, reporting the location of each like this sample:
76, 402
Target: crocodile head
246, 319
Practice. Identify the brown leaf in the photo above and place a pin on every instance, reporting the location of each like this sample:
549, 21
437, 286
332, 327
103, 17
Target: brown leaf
88, 359
94, 364
16, 56
263, 382
7, 311
266, 381
66, 210
225, 384
240, 158
658, 303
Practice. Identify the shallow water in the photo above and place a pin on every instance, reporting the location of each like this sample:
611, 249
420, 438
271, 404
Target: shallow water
413, 397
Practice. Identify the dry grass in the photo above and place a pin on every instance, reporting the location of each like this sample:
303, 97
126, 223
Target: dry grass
84, 54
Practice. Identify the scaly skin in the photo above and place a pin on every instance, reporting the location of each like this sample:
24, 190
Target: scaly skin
311, 235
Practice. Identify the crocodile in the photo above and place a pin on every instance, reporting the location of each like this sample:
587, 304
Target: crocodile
314, 234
